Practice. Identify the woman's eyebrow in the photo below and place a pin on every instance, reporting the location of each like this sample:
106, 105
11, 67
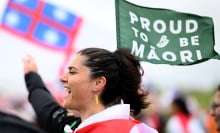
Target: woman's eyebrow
72, 68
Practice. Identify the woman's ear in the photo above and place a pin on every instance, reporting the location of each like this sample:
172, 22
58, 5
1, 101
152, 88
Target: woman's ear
100, 83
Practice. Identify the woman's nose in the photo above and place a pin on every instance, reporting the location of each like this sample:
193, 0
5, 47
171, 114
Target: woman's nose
63, 78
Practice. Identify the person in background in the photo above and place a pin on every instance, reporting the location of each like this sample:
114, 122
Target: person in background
215, 109
181, 119
210, 123
10, 123
52, 117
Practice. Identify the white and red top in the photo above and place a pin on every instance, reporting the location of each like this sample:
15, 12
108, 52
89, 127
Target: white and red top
112, 120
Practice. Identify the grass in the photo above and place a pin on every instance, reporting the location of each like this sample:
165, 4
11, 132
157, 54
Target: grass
203, 98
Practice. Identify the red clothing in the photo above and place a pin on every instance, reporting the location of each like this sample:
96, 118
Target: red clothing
184, 120
114, 119
181, 123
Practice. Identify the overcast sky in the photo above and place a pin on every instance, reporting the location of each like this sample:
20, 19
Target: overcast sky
98, 30
201, 75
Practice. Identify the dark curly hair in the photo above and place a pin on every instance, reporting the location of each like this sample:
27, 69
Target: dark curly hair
123, 74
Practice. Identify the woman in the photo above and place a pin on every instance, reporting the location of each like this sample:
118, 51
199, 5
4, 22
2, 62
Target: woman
182, 120
105, 87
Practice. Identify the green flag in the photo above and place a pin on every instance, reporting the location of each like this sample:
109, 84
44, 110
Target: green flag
162, 36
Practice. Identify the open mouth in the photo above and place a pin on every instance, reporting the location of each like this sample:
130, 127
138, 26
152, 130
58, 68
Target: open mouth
68, 90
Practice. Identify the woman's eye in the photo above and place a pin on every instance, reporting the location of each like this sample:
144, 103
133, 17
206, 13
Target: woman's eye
72, 72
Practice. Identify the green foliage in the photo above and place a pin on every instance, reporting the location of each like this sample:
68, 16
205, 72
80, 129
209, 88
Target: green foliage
203, 98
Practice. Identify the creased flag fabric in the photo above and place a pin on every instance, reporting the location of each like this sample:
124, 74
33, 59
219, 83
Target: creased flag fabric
42, 23
162, 36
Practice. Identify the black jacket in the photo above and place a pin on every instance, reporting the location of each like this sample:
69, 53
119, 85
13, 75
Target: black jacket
12, 124
50, 115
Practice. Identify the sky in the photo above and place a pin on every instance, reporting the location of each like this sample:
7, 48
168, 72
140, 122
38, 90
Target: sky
99, 30
203, 75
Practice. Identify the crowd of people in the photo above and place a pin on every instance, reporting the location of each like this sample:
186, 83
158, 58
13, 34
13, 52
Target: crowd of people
105, 94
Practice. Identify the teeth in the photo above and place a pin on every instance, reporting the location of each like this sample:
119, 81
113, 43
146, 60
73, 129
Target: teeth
68, 90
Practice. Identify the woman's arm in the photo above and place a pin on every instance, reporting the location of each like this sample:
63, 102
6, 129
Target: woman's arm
50, 115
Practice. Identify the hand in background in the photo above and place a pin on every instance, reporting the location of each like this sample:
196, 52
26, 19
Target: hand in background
29, 64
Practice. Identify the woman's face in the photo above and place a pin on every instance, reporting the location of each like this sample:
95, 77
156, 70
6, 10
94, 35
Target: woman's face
78, 84
215, 110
